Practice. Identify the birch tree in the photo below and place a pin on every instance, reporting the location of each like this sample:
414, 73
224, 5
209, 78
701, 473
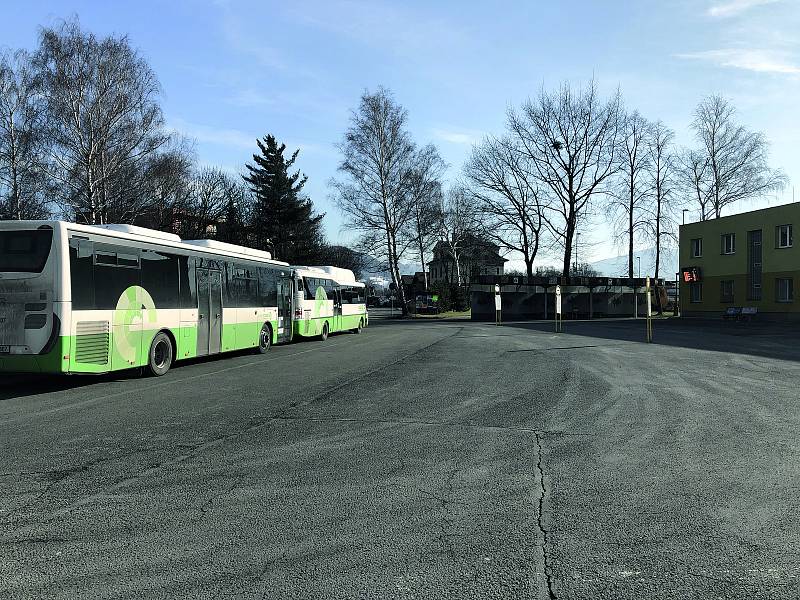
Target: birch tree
737, 158
459, 225
377, 158
627, 206
661, 175
22, 182
104, 121
425, 192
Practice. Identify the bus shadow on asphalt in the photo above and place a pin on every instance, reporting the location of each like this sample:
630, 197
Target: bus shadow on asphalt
20, 385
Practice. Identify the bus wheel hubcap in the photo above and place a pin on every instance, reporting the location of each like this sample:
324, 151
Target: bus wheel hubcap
160, 354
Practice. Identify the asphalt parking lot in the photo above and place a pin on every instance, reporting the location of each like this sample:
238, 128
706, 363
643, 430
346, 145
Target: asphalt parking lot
424, 459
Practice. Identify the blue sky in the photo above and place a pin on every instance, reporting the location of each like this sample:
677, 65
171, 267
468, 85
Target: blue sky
235, 70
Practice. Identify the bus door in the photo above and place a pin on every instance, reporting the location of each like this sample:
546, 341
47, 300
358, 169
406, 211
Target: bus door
209, 318
285, 292
337, 310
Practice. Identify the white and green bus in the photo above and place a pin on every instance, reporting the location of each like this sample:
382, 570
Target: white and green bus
99, 298
327, 300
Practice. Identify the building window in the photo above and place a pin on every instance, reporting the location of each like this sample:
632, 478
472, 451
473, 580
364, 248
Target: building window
697, 247
695, 292
726, 290
784, 290
783, 236
728, 243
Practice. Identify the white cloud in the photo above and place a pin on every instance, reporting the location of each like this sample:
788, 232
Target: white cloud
735, 7
387, 26
761, 61
234, 138
457, 136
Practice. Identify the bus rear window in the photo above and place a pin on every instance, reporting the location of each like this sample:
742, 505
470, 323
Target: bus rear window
24, 251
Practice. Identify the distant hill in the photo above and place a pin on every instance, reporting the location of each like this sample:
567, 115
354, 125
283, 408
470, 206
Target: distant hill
618, 265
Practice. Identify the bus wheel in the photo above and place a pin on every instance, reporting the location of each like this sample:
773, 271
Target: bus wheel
160, 358
265, 339
360, 326
324, 335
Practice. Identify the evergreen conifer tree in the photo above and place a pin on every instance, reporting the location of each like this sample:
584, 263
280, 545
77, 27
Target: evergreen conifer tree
283, 219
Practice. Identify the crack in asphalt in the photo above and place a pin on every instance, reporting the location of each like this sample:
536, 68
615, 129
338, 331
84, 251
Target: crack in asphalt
565, 348
548, 570
206, 506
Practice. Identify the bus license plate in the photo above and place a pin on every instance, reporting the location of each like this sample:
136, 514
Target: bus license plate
5, 349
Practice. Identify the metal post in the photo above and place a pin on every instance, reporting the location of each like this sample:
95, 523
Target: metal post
677, 294
498, 304
649, 312
559, 321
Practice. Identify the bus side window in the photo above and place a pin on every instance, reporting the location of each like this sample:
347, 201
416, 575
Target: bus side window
116, 268
160, 278
267, 286
81, 266
187, 282
242, 289
311, 288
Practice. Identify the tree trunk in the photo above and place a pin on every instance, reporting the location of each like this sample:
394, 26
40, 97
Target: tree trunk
422, 260
394, 267
568, 243
631, 183
658, 236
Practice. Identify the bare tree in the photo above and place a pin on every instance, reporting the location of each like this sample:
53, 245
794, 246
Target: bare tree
425, 192
22, 182
210, 192
501, 181
737, 157
661, 173
377, 159
627, 205
571, 139
696, 179
168, 185
459, 225
104, 121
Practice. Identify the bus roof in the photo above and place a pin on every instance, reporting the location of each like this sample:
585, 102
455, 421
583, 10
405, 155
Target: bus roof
153, 236
337, 274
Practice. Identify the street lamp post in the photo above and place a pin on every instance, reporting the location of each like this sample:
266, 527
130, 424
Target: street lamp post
636, 290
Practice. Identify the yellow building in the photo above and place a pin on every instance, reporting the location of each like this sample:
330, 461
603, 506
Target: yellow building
747, 260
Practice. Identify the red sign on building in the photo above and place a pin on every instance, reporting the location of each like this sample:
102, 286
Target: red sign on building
691, 274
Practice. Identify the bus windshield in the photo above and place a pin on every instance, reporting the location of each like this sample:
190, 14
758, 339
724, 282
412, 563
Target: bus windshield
24, 251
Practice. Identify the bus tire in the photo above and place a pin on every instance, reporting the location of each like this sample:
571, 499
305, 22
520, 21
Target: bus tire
161, 355
360, 327
324, 335
264, 339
